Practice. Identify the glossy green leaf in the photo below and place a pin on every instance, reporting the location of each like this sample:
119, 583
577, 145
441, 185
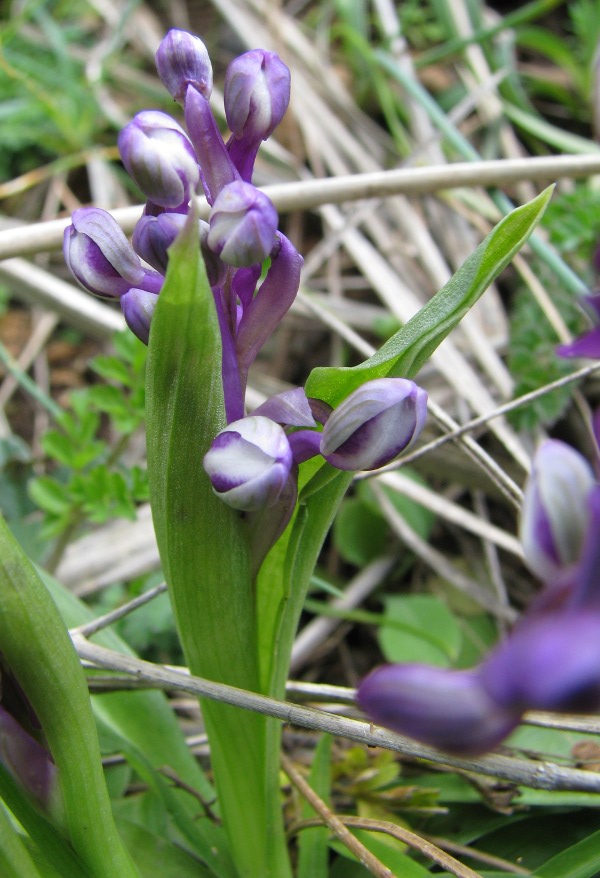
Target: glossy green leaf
406, 352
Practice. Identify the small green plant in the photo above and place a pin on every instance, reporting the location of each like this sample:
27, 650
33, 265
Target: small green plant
90, 481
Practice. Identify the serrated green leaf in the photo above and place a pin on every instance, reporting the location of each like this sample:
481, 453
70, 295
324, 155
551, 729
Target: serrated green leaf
405, 353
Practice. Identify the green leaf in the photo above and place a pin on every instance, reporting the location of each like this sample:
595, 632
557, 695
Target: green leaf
49, 495
37, 648
358, 532
420, 519
424, 630
204, 550
406, 352
15, 861
46, 843
112, 369
146, 729
156, 856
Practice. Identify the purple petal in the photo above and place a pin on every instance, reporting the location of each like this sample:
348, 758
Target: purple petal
271, 303
554, 512
290, 408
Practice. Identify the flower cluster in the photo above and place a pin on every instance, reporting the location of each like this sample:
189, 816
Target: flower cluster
252, 464
551, 660
170, 165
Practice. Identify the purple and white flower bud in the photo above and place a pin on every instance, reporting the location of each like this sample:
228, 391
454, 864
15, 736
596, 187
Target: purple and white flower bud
249, 463
99, 255
153, 235
182, 60
256, 94
138, 307
554, 514
447, 709
374, 424
160, 158
243, 225
549, 662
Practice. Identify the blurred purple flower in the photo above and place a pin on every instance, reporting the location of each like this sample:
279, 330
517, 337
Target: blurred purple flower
550, 662
554, 513
447, 709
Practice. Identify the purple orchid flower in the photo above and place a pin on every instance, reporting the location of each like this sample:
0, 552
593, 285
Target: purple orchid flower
182, 60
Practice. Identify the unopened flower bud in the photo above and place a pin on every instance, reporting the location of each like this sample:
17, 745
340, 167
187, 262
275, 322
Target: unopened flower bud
160, 158
256, 94
182, 60
99, 255
138, 307
243, 224
554, 515
374, 424
153, 235
249, 463
444, 708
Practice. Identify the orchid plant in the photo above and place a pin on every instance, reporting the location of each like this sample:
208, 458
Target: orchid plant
242, 502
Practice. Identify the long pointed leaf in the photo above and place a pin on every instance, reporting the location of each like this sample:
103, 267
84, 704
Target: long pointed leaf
406, 352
